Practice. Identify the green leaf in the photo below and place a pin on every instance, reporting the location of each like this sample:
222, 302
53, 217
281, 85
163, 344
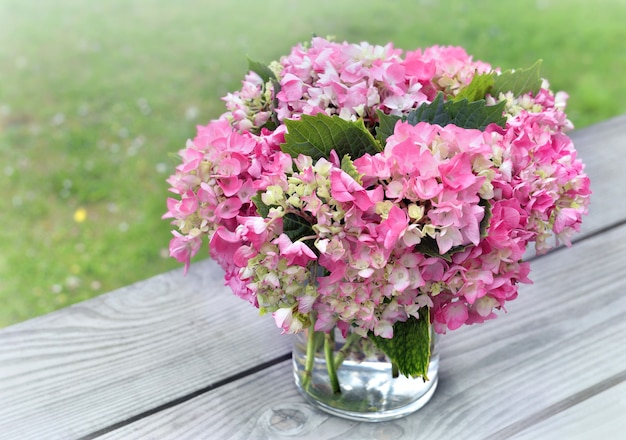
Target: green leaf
261, 207
262, 70
316, 136
478, 88
409, 348
519, 81
296, 227
486, 221
386, 124
348, 167
461, 113
429, 247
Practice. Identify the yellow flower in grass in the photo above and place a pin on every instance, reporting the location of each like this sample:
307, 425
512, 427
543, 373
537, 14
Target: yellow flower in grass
80, 215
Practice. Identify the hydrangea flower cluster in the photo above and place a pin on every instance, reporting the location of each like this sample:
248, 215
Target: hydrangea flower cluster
415, 211
350, 80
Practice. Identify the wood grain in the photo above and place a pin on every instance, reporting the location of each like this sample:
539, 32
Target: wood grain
602, 147
562, 337
599, 417
110, 362
100, 362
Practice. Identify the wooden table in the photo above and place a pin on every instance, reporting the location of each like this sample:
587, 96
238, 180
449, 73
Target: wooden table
181, 357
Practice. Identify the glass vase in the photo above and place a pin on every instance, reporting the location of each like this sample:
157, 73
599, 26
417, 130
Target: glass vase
366, 388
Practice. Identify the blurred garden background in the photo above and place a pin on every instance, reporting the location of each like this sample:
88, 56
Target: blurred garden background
96, 94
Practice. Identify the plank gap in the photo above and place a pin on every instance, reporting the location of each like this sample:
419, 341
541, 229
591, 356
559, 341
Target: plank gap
580, 239
552, 410
185, 398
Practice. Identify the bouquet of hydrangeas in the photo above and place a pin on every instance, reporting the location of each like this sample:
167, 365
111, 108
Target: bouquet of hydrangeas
352, 186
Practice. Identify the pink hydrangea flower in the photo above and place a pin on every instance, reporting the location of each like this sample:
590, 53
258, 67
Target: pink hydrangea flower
183, 247
441, 217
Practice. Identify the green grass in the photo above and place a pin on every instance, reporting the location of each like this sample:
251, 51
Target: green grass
94, 95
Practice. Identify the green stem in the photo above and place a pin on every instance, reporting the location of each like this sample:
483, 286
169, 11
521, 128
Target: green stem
394, 370
341, 354
306, 237
310, 358
329, 345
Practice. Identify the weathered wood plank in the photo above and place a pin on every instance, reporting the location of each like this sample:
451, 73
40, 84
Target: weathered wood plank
110, 359
600, 417
100, 362
602, 148
562, 339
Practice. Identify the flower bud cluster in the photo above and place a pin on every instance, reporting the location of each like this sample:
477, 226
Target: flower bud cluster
250, 108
